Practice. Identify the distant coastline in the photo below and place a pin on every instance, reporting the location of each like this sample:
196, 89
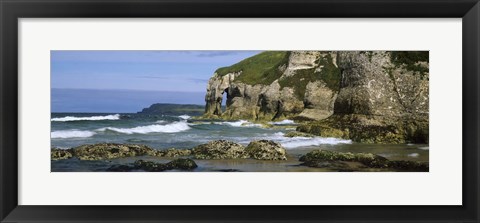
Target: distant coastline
117, 101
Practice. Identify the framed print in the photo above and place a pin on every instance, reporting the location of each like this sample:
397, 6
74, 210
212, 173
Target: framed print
239, 111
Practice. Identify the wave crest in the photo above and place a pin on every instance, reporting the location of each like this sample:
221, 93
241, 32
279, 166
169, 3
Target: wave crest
284, 122
168, 128
64, 134
91, 118
239, 123
295, 142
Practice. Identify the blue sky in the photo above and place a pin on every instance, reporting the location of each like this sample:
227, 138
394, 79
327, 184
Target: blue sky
86, 78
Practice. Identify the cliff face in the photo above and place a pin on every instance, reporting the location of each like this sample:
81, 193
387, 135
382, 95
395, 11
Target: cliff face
343, 94
291, 86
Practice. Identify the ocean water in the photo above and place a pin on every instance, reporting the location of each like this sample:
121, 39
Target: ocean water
182, 131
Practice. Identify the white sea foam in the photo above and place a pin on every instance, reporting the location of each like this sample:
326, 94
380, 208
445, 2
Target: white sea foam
168, 128
424, 148
413, 155
239, 123
185, 117
284, 122
91, 118
160, 121
64, 134
295, 142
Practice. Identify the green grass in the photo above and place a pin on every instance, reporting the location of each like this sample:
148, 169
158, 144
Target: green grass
262, 68
330, 74
408, 59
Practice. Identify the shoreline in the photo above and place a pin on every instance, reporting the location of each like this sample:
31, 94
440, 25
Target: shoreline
225, 156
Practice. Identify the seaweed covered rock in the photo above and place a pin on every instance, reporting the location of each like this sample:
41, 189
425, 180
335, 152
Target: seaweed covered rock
60, 154
367, 129
103, 151
149, 166
266, 150
367, 159
341, 160
220, 149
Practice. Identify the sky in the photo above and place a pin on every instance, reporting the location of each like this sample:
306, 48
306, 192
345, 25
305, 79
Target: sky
127, 81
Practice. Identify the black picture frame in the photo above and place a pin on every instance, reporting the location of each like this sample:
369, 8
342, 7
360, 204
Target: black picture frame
12, 10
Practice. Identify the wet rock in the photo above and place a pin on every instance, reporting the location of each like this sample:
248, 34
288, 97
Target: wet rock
180, 164
103, 151
316, 157
120, 168
60, 154
406, 165
149, 166
220, 149
266, 150
336, 160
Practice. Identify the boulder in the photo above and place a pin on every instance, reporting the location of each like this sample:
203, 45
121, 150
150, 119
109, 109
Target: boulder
220, 149
266, 150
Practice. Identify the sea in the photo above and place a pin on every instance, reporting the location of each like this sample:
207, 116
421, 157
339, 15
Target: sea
181, 131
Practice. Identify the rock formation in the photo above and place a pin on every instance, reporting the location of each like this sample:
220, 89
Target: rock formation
342, 161
367, 96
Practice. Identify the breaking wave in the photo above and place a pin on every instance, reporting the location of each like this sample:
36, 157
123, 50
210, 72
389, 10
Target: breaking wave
295, 142
168, 128
239, 123
284, 122
91, 118
185, 117
64, 134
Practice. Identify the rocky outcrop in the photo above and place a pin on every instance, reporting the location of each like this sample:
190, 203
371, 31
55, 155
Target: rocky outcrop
220, 149
102, 151
217, 149
266, 150
357, 161
372, 97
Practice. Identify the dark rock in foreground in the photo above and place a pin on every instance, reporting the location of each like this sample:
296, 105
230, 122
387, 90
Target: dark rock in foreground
220, 149
149, 166
266, 150
341, 160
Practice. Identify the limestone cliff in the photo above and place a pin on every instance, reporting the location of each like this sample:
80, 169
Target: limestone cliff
372, 96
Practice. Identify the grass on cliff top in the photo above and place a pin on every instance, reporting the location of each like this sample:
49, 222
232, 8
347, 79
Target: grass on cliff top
262, 68
409, 59
330, 74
